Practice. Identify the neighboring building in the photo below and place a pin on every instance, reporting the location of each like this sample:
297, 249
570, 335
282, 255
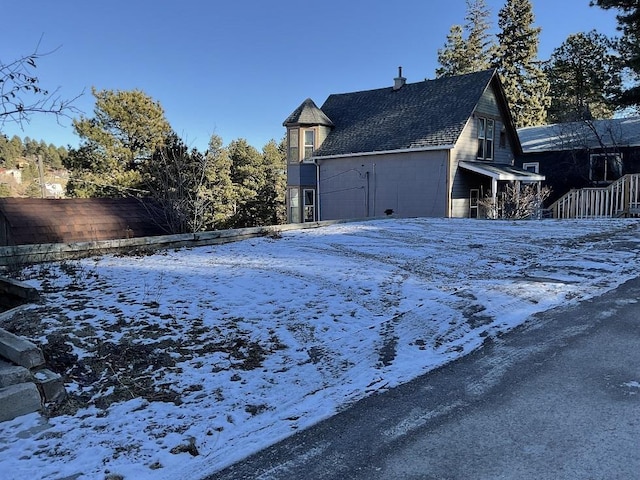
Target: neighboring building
40, 221
11, 174
432, 148
592, 153
54, 190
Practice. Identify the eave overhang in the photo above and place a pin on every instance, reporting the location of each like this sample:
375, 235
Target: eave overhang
381, 152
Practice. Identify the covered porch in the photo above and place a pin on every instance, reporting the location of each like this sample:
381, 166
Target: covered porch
497, 177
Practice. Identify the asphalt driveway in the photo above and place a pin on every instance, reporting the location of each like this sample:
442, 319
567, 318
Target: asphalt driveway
558, 398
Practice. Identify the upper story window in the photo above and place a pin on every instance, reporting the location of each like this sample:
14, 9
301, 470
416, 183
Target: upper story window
486, 128
533, 167
292, 154
503, 138
605, 167
309, 143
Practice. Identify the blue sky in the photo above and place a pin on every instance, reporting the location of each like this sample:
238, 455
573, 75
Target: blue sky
238, 68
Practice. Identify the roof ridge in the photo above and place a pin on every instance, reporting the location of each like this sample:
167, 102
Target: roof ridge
419, 82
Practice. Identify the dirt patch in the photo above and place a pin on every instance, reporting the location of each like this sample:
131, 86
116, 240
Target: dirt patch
103, 362
388, 349
474, 316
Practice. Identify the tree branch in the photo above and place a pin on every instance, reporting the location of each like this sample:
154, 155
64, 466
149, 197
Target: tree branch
22, 96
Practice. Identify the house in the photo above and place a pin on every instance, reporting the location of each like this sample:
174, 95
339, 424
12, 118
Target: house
13, 175
434, 148
54, 190
576, 155
26, 221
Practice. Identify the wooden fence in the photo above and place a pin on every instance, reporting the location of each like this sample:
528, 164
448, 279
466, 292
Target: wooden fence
620, 199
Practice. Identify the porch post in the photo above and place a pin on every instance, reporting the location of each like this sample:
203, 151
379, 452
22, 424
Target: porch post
539, 201
494, 197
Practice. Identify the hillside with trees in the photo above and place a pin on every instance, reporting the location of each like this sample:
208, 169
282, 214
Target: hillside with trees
31, 168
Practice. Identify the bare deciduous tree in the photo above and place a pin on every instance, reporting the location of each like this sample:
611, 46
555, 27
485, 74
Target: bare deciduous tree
21, 94
178, 182
517, 202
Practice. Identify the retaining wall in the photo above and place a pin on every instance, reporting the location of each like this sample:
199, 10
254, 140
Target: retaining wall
26, 254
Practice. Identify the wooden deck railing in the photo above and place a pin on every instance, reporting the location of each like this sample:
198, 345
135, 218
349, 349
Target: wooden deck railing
620, 199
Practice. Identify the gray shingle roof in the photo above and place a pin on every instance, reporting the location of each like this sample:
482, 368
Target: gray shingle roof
621, 132
424, 114
307, 113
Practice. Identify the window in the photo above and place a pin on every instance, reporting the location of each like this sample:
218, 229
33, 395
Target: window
486, 127
294, 205
293, 146
533, 167
605, 167
309, 205
474, 202
503, 138
309, 143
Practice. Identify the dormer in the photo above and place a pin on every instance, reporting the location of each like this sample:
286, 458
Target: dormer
307, 127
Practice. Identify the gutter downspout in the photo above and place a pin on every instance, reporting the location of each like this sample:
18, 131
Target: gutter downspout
366, 197
449, 203
374, 190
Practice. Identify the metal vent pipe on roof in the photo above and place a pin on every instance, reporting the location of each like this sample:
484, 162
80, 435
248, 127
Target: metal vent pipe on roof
399, 81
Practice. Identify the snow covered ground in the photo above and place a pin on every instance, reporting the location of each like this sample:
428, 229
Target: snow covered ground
186, 361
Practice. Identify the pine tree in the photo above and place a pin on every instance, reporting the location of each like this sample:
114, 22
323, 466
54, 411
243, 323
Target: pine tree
33, 190
4, 151
223, 192
273, 194
524, 81
452, 56
629, 25
15, 149
584, 78
462, 55
248, 176
53, 156
128, 127
480, 45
